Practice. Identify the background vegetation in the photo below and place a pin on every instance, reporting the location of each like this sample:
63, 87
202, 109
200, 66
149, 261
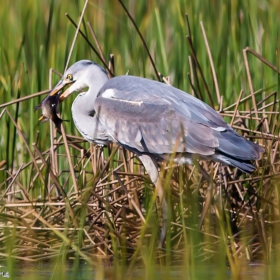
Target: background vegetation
36, 36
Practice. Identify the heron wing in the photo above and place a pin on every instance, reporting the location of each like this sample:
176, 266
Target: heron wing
152, 117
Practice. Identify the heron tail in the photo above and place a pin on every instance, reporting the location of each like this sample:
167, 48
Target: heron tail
243, 165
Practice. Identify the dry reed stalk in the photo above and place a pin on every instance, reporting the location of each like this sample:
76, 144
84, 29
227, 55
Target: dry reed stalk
112, 63
142, 39
26, 145
211, 64
4, 105
97, 44
76, 35
236, 107
89, 43
250, 81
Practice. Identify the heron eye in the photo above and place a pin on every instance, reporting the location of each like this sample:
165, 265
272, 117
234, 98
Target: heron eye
70, 77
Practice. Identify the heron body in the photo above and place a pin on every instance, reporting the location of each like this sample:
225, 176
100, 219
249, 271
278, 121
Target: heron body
149, 117
152, 119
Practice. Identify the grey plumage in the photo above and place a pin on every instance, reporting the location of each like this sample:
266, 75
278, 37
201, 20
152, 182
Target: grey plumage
150, 117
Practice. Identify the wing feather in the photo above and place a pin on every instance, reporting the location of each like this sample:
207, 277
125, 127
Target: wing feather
148, 116
134, 120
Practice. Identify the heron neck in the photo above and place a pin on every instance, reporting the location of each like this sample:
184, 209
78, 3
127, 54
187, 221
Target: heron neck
94, 80
86, 122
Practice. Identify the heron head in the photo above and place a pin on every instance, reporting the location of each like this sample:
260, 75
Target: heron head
77, 76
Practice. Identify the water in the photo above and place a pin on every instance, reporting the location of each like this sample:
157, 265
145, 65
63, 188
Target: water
44, 271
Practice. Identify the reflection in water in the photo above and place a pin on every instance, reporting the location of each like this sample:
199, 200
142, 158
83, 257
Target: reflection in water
83, 271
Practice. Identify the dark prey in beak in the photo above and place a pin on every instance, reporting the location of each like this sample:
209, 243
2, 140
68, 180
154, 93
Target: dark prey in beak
49, 108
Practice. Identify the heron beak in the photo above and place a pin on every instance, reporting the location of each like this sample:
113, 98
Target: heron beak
64, 95
60, 85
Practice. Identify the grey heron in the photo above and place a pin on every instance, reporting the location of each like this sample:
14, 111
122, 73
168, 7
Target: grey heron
150, 118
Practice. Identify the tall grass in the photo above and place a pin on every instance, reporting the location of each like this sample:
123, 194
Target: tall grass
37, 36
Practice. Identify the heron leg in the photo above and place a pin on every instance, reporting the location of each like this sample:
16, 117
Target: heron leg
164, 209
151, 167
208, 196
